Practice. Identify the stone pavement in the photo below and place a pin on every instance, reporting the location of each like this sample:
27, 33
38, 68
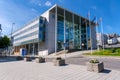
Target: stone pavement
20, 70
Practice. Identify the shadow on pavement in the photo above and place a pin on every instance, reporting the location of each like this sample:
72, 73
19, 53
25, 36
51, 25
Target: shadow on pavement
107, 71
10, 59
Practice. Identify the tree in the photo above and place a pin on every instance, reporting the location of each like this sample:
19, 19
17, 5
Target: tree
4, 42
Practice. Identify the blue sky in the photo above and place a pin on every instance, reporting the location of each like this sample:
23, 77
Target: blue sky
23, 11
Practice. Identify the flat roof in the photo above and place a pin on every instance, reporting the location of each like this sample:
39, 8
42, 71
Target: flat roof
56, 5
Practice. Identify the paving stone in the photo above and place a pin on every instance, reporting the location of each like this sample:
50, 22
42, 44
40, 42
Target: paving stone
20, 70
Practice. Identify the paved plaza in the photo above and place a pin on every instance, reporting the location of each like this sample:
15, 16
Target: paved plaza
20, 70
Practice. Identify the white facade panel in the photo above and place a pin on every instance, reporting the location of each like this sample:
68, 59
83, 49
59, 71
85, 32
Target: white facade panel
27, 32
31, 24
27, 39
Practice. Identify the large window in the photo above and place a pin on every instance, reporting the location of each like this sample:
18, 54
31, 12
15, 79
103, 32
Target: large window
60, 29
83, 34
69, 30
76, 32
88, 36
42, 26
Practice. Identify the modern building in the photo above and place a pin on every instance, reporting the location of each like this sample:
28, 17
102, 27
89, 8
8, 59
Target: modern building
101, 39
53, 30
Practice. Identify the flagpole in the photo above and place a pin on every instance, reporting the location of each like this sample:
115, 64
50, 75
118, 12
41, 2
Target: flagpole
102, 33
97, 35
90, 32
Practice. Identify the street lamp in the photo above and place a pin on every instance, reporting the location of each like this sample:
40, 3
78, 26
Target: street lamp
11, 33
0, 31
11, 43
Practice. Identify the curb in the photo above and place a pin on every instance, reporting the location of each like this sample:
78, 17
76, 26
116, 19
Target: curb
106, 57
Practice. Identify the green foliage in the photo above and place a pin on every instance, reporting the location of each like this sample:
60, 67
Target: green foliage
113, 50
4, 42
94, 61
107, 52
117, 50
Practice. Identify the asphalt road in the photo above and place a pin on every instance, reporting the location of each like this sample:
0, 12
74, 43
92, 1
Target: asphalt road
108, 63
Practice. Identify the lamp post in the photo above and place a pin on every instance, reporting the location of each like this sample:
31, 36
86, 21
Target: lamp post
11, 44
11, 33
0, 31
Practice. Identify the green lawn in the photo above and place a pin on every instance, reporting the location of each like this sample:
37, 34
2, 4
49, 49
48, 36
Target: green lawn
106, 52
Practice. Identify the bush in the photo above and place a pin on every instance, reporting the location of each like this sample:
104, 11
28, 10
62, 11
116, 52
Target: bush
117, 50
113, 50
94, 61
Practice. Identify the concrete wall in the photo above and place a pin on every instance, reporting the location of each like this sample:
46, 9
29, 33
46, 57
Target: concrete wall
50, 31
44, 49
51, 35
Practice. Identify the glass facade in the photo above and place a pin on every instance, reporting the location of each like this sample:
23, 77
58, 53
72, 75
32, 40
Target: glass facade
83, 34
77, 31
69, 29
60, 29
88, 36
42, 26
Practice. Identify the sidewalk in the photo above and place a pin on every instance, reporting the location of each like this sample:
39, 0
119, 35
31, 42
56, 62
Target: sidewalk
79, 54
67, 55
21, 70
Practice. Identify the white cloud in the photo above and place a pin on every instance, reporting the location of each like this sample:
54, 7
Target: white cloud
34, 10
48, 3
41, 3
36, 2
61, 1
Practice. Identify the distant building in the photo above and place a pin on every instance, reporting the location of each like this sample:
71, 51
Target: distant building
113, 38
101, 39
53, 30
113, 35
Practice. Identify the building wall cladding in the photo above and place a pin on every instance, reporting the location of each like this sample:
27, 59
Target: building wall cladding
44, 49
48, 46
51, 35
27, 33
